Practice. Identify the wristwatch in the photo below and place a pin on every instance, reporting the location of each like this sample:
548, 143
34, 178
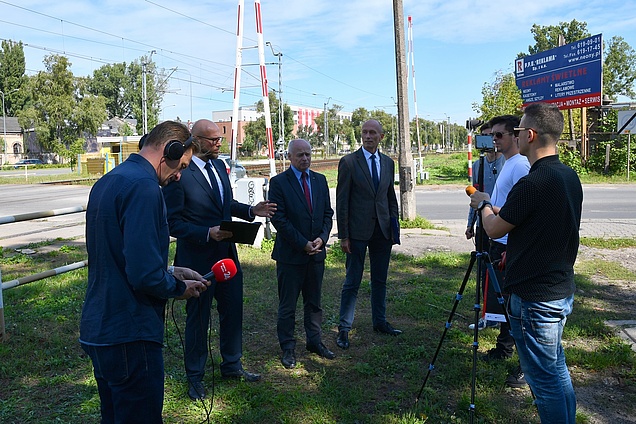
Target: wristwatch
483, 204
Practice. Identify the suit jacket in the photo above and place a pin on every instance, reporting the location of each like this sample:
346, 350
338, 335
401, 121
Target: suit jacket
294, 224
358, 205
193, 207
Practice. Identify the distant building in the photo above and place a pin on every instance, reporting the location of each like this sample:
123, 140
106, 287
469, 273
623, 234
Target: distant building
13, 146
303, 116
113, 127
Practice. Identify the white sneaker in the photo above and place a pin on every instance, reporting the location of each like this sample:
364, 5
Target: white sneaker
484, 324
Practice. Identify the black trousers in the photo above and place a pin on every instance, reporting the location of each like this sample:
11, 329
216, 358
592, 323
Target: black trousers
505, 342
292, 281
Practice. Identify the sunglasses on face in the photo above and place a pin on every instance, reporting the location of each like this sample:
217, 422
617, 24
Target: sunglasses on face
517, 130
499, 134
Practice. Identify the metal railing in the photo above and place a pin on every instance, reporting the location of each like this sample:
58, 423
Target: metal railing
41, 275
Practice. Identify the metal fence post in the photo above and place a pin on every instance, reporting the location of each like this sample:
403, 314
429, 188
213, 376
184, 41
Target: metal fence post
2, 331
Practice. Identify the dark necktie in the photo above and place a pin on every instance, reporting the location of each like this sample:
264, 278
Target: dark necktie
374, 173
303, 178
213, 182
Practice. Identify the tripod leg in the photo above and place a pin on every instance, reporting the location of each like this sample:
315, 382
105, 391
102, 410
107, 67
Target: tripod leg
448, 324
496, 287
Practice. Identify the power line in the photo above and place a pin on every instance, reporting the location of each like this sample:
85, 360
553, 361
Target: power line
179, 57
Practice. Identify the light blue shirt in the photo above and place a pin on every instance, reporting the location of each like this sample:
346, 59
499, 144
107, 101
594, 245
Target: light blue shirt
367, 155
299, 175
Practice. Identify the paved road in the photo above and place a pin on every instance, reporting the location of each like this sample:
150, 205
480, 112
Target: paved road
608, 210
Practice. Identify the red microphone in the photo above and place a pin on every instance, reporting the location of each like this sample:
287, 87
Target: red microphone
223, 270
470, 190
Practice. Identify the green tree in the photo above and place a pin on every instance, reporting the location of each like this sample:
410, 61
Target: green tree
113, 82
307, 132
61, 110
500, 97
13, 79
547, 37
619, 69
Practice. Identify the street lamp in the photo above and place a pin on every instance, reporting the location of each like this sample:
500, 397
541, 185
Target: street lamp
281, 113
144, 97
326, 133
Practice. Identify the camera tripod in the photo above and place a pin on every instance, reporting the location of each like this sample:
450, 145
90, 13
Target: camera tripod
483, 260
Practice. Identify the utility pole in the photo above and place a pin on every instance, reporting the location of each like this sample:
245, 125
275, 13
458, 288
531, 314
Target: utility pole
144, 91
407, 195
326, 132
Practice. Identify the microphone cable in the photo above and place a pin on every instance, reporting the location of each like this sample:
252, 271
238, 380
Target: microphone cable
204, 404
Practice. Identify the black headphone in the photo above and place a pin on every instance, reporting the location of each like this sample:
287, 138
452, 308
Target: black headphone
175, 149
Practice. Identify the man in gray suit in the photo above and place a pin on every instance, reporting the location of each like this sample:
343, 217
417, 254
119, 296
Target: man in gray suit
303, 220
365, 206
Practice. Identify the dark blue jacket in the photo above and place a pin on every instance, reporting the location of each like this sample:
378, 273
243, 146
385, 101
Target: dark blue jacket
127, 241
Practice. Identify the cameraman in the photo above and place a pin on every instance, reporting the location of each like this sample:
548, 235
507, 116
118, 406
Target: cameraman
494, 162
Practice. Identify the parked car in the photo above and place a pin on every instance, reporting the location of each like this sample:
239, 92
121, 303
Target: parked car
240, 170
26, 162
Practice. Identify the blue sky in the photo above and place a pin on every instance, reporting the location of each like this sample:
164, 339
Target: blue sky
332, 50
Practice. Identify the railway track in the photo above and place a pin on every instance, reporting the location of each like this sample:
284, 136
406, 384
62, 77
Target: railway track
257, 170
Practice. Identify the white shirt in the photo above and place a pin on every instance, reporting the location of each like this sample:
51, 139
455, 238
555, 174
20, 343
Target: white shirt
204, 171
513, 169
367, 155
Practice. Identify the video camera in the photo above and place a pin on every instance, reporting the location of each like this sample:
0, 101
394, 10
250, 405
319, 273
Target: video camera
484, 142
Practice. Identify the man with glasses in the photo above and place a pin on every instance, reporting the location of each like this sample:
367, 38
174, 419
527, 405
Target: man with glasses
196, 206
494, 162
542, 215
515, 167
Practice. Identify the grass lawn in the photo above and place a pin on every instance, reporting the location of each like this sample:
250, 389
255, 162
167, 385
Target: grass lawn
46, 378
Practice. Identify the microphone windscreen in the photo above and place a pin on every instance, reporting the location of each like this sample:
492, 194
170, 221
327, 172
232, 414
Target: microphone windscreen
224, 270
470, 190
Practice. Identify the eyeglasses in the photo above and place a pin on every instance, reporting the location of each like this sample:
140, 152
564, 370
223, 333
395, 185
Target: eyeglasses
517, 130
213, 139
499, 134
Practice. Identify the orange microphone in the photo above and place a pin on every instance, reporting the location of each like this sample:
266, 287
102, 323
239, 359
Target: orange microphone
470, 190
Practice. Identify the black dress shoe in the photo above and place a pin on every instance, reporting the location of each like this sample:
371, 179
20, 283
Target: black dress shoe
343, 339
289, 358
321, 350
196, 390
247, 376
387, 328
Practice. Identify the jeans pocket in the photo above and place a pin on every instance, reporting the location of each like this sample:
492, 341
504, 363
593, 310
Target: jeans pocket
547, 322
110, 363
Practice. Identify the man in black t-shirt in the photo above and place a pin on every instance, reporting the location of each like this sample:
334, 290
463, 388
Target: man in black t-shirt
542, 215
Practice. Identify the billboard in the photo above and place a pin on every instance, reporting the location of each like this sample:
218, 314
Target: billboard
569, 76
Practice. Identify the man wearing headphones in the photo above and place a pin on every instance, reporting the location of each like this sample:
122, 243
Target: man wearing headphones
197, 203
129, 280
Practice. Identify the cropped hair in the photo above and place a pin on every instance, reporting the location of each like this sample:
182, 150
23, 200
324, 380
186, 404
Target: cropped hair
546, 118
510, 121
167, 131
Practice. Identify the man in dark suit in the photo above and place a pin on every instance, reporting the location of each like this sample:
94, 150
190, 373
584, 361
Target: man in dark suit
365, 206
303, 221
196, 206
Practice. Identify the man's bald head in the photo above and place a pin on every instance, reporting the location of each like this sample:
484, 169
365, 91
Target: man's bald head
208, 136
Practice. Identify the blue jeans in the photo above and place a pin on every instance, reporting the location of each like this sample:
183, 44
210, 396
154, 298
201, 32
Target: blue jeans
379, 257
129, 381
537, 328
